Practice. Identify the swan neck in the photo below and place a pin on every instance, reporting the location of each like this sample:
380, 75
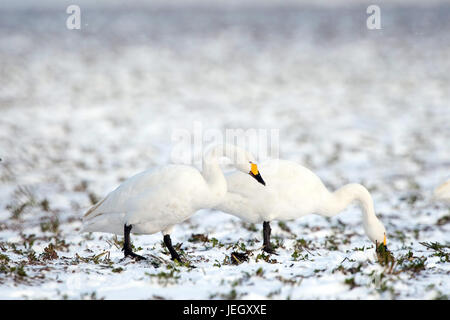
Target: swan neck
344, 196
212, 173
341, 198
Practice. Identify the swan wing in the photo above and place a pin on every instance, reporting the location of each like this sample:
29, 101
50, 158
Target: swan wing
115, 201
291, 191
299, 190
157, 197
176, 197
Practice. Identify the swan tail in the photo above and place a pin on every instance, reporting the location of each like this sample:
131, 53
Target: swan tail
100, 219
109, 223
93, 209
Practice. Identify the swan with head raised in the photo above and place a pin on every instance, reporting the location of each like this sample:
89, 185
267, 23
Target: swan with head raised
156, 200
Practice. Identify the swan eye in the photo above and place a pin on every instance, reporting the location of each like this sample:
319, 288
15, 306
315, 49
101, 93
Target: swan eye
254, 169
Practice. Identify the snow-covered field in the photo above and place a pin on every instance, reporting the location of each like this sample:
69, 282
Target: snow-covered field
80, 110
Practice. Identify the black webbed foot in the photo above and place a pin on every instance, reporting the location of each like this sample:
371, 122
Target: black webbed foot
174, 255
131, 254
269, 249
128, 252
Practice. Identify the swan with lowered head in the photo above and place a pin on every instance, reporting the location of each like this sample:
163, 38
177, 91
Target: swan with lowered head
293, 191
156, 200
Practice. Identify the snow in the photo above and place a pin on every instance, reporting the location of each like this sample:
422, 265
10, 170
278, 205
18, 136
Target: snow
81, 110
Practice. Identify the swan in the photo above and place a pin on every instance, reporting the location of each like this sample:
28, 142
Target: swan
156, 200
294, 191
442, 192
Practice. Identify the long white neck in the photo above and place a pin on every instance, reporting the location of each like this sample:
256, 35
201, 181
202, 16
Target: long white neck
211, 171
337, 201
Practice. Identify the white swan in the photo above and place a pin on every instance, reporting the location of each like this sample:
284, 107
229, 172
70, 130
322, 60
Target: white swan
156, 200
442, 192
293, 191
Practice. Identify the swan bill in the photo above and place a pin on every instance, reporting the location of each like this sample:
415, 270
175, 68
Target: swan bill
254, 168
381, 247
258, 177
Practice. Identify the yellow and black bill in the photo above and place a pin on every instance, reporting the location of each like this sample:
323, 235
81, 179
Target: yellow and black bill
255, 174
382, 246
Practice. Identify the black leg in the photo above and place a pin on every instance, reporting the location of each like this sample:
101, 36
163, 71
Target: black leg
266, 236
168, 243
127, 244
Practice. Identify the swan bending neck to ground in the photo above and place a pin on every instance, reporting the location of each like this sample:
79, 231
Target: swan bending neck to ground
293, 191
338, 201
156, 200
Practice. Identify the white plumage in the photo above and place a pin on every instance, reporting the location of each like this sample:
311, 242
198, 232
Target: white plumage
156, 200
151, 201
291, 192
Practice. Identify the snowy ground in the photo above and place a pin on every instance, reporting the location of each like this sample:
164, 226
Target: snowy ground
82, 110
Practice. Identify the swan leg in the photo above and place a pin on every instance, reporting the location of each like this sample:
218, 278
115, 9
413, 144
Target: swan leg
127, 244
168, 243
266, 236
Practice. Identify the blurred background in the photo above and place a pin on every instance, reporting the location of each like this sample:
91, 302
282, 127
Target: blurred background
80, 110
105, 98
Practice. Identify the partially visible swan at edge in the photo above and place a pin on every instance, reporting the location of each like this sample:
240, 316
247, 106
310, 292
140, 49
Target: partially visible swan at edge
156, 200
293, 191
442, 192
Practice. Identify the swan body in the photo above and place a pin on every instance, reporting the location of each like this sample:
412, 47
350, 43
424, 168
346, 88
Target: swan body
156, 200
152, 201
293, 191
442, 192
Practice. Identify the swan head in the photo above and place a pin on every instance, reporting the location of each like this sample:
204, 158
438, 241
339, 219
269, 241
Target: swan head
377, 233
243, 160
254, 172
246, 163
250, 168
